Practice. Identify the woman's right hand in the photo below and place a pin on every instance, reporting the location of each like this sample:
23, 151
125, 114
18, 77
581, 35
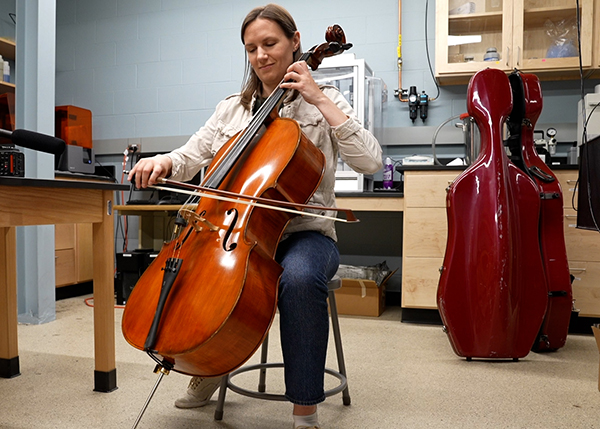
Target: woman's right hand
148, 170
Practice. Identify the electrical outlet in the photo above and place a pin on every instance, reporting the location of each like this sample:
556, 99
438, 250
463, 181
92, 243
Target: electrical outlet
134, 147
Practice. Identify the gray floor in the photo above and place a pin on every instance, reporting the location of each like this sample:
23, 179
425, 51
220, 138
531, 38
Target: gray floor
401, 376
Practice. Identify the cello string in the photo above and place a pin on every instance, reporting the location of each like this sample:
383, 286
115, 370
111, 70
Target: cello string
247, 136
236, 150
190, 204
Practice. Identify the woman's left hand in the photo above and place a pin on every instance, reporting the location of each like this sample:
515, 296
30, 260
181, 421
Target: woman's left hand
300, 79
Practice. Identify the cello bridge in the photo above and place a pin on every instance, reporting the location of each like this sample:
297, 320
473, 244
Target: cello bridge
197, 221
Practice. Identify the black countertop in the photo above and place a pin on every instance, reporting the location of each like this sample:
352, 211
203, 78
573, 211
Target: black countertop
51, 183
372, 194
463, 167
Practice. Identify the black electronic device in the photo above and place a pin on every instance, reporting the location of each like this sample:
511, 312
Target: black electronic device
588, 203
423, 104
35, 141
130, 267
12, 161
413, 103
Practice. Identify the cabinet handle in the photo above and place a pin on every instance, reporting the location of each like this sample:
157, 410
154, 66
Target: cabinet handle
577, 270
571, 181
507, 56
571, 216
518, 56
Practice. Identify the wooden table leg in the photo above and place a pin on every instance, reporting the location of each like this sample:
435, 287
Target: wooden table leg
9, 351
105, 374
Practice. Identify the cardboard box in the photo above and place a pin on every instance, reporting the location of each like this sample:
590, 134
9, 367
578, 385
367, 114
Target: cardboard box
360, 297
597, 336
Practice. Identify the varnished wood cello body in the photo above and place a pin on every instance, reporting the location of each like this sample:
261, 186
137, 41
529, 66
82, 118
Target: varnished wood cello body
492, 294
206, 302
527, 107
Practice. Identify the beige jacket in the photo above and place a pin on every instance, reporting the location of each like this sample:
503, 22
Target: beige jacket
356, 146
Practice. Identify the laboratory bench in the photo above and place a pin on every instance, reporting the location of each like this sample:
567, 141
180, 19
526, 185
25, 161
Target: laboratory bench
412, 226
27, 201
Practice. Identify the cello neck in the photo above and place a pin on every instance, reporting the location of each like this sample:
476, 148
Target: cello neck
336, 44
265, 114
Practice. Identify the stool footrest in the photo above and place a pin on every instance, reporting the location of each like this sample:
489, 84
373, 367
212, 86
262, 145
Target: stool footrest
278, 397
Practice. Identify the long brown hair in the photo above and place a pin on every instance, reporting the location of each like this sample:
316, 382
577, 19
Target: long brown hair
281, 17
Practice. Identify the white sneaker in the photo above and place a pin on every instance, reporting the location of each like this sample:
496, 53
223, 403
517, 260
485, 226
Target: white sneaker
199, 392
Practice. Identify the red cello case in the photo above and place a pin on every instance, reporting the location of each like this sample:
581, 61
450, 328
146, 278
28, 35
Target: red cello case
527, 107
492, 293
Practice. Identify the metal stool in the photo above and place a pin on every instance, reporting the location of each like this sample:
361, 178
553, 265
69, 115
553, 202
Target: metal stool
334, 283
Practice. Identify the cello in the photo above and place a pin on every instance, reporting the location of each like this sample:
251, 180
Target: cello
527, 107
206, 302
492, 293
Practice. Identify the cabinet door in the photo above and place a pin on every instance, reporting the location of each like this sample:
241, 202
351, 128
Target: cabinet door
586, 291
85, 252
74, 253
545, 34
425, 232
420, 282
425, 236
466, 30
582, 245
65, 267
426, 189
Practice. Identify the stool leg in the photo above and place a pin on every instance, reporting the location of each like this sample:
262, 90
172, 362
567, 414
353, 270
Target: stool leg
338, 344
221, 401
262, 382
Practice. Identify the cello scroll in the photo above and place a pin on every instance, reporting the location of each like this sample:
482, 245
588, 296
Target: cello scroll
336, 44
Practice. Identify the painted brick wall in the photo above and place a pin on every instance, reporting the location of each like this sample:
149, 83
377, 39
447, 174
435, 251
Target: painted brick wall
157, 68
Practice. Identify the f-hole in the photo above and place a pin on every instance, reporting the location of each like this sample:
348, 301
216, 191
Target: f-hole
180, 244
230, 231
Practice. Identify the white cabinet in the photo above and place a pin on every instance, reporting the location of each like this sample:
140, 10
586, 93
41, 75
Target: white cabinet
367, 95
357, 82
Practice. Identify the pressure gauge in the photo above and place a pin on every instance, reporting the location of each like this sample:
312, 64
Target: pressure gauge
551, 132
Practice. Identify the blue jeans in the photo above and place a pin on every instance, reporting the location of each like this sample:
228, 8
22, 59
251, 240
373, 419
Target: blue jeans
309, 261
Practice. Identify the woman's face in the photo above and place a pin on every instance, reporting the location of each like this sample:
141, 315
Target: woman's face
270, 52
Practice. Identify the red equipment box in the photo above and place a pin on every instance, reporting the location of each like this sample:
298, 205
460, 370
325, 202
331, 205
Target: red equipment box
74, 125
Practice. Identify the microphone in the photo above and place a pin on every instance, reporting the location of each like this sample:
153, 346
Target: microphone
35, 141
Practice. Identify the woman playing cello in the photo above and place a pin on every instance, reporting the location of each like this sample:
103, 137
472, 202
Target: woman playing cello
307, 251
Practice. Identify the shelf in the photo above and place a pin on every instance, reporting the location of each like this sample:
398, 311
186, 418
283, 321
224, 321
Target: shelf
537, 17
7, 49
475, 23
6, 87
492, 21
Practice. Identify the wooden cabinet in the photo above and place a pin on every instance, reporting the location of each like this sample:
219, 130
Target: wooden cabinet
74, 254
518, 30
425, 235
583, 251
